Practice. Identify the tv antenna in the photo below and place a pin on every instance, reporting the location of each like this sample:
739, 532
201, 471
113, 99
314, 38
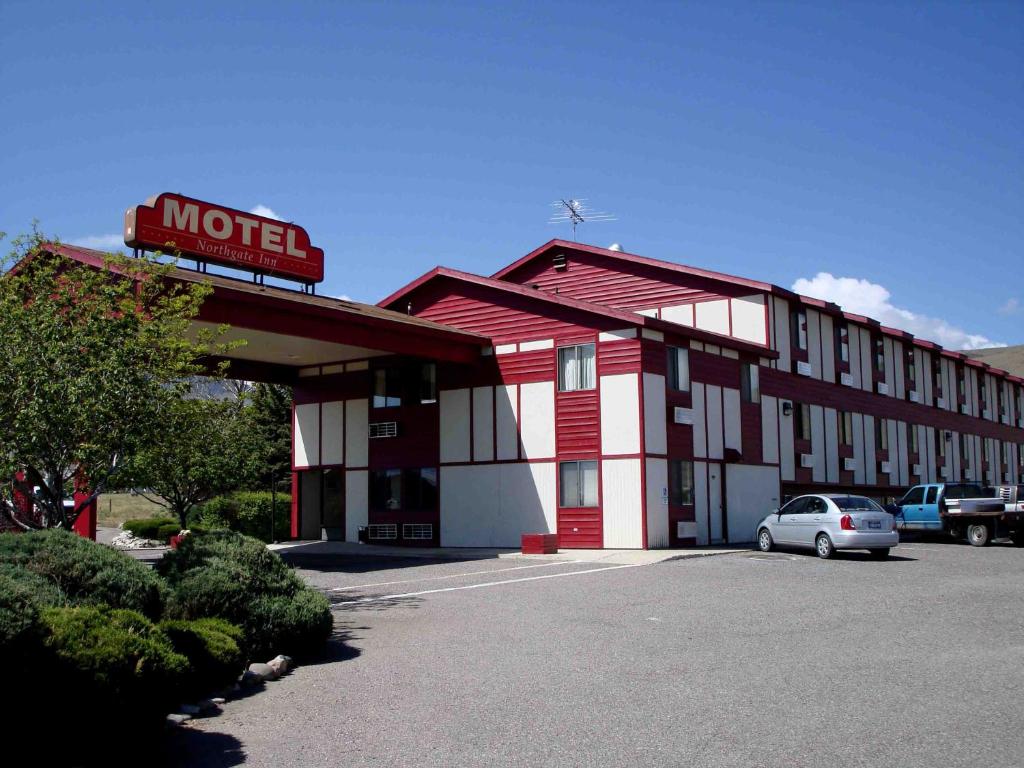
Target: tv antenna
576, 212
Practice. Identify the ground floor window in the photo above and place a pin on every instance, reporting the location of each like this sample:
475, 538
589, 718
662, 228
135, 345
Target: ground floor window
405, 489
577, 481
680, 482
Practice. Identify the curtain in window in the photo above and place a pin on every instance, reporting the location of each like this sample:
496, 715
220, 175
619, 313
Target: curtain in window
587, 367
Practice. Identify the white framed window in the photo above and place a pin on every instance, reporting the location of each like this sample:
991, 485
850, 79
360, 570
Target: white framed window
577, 368
577, 482
678, 370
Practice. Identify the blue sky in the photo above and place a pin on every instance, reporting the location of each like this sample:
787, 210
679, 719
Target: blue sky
883, 143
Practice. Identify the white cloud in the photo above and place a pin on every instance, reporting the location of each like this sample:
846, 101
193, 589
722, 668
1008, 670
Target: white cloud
1011, 307
344, 297
113, 242
262, 210
863, 297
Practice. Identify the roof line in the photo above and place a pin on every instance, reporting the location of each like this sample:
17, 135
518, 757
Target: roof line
630, 318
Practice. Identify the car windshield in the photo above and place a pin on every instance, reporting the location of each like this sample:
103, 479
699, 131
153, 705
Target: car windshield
964, 491
856, 504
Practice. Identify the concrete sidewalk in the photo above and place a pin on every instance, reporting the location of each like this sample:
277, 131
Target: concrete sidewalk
609, 556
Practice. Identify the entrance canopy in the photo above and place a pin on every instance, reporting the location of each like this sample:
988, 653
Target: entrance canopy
288, 330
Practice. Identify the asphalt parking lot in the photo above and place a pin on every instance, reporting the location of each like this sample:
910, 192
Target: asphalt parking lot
736, 660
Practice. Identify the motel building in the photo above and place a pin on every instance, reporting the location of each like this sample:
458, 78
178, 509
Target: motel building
617, 400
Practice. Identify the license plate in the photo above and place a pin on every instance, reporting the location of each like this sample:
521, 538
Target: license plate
874, 523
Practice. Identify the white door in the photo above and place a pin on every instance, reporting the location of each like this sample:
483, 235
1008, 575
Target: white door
751, 493
715, 503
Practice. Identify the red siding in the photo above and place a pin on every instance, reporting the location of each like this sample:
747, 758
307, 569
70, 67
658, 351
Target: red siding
502, 316
604, 280
580, 528
577, 425
618, 357
527, 366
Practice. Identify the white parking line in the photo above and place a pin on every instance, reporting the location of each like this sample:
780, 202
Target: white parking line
491, 584
454, 575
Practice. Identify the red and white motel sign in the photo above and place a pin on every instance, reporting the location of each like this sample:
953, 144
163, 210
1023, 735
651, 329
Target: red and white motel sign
219, 235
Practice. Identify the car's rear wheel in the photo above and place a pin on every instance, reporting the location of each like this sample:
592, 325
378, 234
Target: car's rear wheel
978, 534
764, 540
823, 545
879, 554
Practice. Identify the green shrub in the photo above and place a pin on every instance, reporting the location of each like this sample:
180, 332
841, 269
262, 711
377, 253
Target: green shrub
113, 663
164, 532
253, 516
237, 578
22, 594
149, 528
212, 649
84, 572
247, 512
295, 626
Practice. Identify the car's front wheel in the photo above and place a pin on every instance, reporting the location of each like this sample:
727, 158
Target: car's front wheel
978, 534
879, 554
764, 540
823, 545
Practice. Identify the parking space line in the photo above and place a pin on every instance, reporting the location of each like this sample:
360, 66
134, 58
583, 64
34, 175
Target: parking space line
493, 583
455, 575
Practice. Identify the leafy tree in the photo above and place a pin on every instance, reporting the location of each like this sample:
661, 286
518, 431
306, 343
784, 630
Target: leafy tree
200, 453
91, 357
269, 414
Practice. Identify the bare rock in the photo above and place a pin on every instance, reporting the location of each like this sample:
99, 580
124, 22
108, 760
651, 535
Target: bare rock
177, 718
263, 671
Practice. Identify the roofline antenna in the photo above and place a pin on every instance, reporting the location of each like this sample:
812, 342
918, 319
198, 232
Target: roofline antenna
576, 212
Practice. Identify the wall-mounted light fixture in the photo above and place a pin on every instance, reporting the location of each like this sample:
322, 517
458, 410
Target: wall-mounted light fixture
787, 408
949, 436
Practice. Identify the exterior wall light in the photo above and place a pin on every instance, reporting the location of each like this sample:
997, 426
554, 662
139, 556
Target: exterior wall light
787, 408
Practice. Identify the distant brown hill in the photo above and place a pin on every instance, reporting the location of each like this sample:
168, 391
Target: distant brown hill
1008, 358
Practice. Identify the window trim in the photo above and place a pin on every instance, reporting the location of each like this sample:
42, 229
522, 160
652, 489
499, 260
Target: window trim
579, 484
560, 372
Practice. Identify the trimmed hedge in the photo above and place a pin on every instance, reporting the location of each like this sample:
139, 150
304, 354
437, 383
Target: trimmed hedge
22, 593
212, 648
83, 572
149, 528
237, 578
248, 513
112, 661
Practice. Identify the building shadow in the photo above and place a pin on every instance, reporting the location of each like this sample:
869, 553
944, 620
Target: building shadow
197, 749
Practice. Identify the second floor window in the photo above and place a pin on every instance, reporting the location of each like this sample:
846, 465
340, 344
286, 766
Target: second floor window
387, 388
879, 356
577, 368
750, 388
801, 421
882, 434
845, 428
678, 369
842, 343
798, 328
914, 445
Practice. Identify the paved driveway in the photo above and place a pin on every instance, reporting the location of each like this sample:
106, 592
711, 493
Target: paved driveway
734, 660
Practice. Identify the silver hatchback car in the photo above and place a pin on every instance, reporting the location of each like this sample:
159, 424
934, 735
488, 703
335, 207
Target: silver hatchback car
827, 522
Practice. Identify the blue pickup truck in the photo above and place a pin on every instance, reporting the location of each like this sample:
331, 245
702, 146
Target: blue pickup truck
959, 509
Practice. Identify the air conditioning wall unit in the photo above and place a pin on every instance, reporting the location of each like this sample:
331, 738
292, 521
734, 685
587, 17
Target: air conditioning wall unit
916, 469
806, 460
846, 379
913, 396
380, 429
883, 388
885, 466
804, 369
941, 402
943, 472
682, 415
965, 409
849, 464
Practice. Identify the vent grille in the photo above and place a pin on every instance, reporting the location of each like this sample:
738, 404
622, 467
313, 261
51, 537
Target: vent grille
417, 531
1004, 494
383, 531
380, 429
